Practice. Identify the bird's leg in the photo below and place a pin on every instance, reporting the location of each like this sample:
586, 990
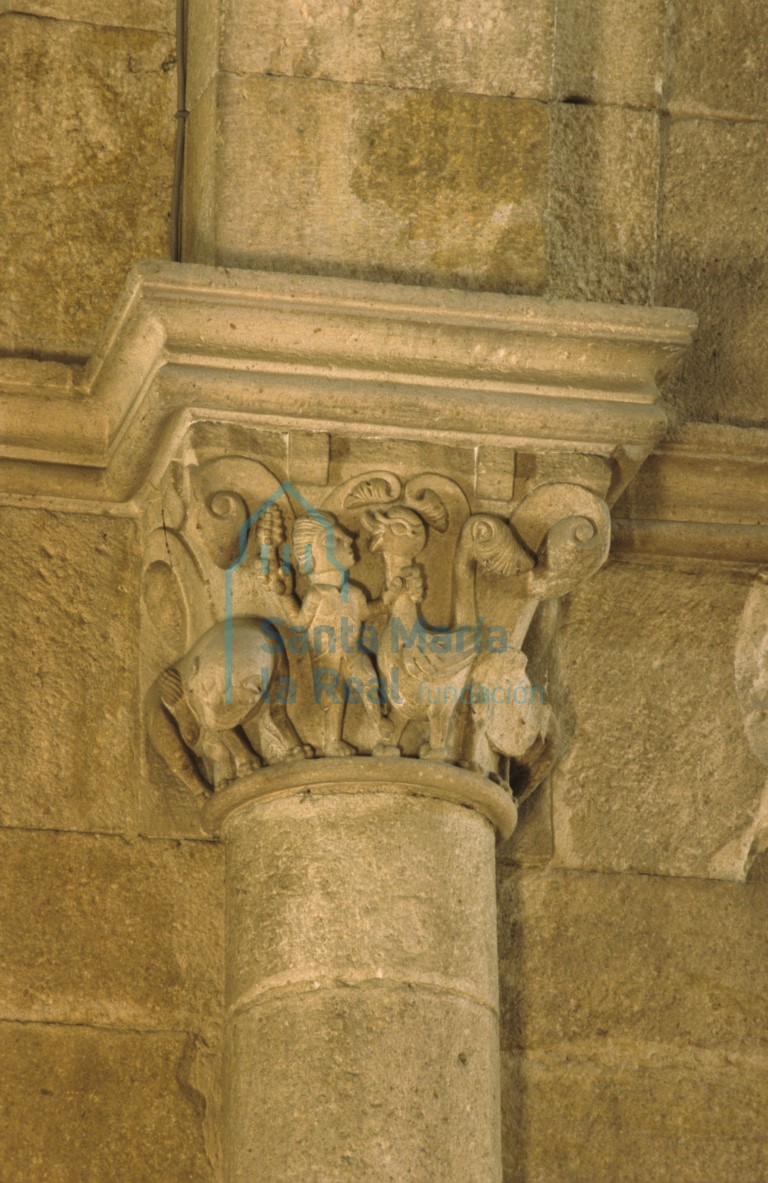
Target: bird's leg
441, 727
333, 722
478, 755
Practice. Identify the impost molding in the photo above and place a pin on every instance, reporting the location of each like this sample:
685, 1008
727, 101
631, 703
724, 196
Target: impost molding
541, 390
702, 493
190, 344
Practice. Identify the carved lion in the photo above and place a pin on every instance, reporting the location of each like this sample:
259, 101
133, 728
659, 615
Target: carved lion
219, 712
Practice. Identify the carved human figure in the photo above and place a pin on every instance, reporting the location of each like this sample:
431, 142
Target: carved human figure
333, 613
425, 670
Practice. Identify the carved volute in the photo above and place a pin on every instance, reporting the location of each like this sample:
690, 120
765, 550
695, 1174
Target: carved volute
385, 614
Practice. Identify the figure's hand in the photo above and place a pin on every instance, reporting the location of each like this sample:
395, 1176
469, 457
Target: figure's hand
413, 583
279, 580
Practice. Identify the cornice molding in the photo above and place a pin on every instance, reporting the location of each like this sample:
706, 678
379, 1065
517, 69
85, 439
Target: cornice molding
702, 493
188, 343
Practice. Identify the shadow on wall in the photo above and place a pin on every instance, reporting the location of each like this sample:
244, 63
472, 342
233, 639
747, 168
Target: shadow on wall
514, 1120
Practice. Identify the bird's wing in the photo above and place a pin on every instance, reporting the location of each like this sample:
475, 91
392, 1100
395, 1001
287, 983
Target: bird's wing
445, 660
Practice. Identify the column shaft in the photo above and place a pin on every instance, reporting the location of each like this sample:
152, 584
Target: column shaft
362, 1033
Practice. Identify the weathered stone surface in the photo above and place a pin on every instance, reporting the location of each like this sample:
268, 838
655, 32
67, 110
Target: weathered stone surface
717, 63
424, 187
633, 1027
129, 14
714, 254
403, 891
70, 667
574, 1119
86, 156
602, 214
380, 1085
97, 929
480, 46
657, 775
80, 1104
532, 842
614, 961
203, 41
637, 1003
361, 922
603, 56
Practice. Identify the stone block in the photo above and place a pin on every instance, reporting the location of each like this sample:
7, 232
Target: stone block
307, 911
479, 46
86, 159
717, 60
434, 188
610, 962
602, 216
582, 1121
79, 1105
713, 258
602, 55
392, 1085
100, 930
159, 15
656, 775
70, 665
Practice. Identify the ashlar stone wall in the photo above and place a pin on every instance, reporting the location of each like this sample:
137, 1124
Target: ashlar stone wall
554, 147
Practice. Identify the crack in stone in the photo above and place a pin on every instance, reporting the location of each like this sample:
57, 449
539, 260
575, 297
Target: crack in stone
62, 20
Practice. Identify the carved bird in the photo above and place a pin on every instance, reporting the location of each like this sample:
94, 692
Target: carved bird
424, 669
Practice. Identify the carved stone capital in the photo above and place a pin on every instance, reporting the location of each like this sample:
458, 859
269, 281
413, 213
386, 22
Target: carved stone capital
360, 503
384, 618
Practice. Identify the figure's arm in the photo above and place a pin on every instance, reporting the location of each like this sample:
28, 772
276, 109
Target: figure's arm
305, 616
364, 608
291, 609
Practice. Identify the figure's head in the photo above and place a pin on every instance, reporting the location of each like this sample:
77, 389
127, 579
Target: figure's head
320, 545
396, 530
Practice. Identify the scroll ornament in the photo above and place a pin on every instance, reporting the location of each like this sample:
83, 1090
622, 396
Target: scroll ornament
388, 621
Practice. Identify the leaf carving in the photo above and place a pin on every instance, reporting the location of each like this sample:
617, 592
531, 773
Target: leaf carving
432, 508
371, 492
496, 547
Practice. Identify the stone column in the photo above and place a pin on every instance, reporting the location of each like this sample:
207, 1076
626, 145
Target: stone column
362, 1026
361, 500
